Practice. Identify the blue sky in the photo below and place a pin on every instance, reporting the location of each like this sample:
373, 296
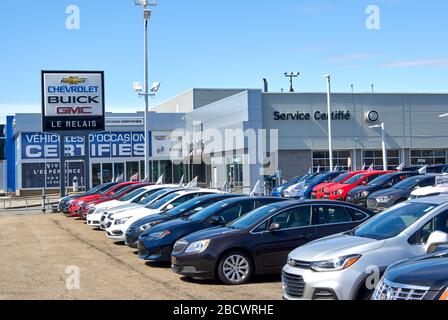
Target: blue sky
209, 43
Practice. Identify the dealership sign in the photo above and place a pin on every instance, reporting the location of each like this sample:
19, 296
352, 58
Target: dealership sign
318, 115
73, 101
39, 146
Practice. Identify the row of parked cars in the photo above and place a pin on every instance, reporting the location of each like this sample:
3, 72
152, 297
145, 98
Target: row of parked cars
329, 246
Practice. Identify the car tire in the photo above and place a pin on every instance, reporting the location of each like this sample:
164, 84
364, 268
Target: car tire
235, 268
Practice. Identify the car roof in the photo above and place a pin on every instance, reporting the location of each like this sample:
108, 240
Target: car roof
438, 200
197, 190
286, 204
245, 198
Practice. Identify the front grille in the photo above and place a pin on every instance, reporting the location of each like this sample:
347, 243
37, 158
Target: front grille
180, 246
371, 203
300, 264
387, 290
293, 285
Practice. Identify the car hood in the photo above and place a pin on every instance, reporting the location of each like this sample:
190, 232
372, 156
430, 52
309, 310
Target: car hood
335, 246
132, 213
124, 207
324, 185
108, 204
337, 186
390, 192
360, 189
170, 225
428, 190
215, 232
426, 271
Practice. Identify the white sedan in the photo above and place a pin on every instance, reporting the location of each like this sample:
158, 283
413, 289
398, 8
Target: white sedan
137, 198
120, 222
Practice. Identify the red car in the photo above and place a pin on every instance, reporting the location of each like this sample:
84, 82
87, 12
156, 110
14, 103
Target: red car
318, 191
339, 191
86, 206
77, 203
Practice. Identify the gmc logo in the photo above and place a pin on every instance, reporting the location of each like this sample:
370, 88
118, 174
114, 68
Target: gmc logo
74, 110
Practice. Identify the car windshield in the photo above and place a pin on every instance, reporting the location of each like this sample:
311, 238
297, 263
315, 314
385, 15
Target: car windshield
154, 196
132, 195
252, 217
113, 190
100, 188
354, 179
380, 180
341, 177
392, 222
409, 183
159, 203
209, 211
197, 204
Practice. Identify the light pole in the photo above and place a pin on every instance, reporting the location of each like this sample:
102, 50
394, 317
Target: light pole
138, 86
383, 142
330, 141
291, 75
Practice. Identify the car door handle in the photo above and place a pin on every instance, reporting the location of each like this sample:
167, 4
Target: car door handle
304, 236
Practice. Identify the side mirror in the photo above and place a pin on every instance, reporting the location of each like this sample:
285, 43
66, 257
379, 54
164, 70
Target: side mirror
435, 240
274, 226
364, 183
216, 220
169, 207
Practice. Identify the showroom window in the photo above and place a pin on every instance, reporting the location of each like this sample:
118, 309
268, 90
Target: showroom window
428, 157
322, 159
376, 157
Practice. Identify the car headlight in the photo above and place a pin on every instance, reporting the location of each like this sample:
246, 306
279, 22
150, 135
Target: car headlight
384, 199
336, 264
80, 204
365, 194
338, 192
444, 295
198, 246
160, 235
148, 225
122, 220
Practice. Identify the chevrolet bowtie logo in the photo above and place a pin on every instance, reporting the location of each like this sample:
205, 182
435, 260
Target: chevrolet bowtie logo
73, 80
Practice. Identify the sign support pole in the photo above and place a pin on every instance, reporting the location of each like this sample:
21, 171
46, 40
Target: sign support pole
87, 161
62, 164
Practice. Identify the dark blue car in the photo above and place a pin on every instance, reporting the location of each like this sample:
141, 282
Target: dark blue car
157, 243
184, 210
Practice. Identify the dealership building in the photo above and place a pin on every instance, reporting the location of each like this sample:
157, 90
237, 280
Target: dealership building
292, 125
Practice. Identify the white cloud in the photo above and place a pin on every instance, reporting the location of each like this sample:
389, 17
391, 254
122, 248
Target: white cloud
418, 63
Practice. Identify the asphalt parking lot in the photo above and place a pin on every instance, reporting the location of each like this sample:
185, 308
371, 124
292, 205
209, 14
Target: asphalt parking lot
37, 249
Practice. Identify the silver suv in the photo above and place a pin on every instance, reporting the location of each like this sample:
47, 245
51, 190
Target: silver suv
348, 266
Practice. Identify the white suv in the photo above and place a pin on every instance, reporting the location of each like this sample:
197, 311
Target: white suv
120, 222
343, 266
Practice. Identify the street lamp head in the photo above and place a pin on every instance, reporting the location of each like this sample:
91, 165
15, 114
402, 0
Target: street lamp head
138, 87
155, 87
327, 76
292, 74
147, 14
145, 3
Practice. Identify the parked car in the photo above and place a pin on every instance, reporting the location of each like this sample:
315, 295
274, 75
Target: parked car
120, 222
303, 191
146, 203
319, 190
280, 191
360, 194
422, 278
184, 210
384, 199
259, 242
340, 191
277, 191
77, 203
65, 202
440, 187
142, 199
87, 206
287, 192
339, 266
157, 243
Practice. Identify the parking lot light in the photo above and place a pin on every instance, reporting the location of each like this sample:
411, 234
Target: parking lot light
383, 142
